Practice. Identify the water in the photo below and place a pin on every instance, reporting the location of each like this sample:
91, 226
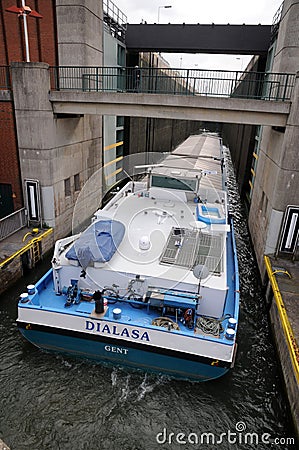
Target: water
55, 402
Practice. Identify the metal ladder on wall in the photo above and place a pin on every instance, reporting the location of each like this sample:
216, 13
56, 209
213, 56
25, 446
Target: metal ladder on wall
35, 253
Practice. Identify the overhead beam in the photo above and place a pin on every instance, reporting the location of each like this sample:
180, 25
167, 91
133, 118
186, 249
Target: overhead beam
211, 109
196, 38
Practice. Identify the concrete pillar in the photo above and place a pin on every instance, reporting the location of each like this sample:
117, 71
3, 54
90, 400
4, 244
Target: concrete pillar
80, 32
58, 152
80, 43
35, 129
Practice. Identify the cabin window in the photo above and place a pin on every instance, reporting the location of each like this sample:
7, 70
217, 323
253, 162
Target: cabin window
173, 183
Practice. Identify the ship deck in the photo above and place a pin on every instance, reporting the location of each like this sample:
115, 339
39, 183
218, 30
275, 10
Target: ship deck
133, 313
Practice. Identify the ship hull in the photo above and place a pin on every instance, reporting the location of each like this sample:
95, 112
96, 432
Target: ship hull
125, 353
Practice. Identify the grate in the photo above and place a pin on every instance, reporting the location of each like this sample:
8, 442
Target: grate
187, 248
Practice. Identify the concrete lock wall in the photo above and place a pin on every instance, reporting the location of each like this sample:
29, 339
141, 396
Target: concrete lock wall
144, 135
277, 181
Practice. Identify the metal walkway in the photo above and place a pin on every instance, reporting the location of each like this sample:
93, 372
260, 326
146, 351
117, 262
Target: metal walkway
217, 96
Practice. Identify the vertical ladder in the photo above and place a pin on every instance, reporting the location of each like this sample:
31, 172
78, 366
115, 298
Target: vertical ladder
35, 253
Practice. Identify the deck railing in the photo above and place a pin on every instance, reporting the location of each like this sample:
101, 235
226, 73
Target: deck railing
215, 83
12, 223
5, 80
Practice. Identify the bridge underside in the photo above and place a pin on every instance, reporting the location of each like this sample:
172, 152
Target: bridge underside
182, 38
211, 109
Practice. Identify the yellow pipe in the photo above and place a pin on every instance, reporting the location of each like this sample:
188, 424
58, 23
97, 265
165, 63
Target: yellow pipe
293, 347
285, 272
30, 233
26, 236
25, 248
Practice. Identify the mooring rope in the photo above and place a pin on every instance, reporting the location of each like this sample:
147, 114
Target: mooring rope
210, 325
165, 322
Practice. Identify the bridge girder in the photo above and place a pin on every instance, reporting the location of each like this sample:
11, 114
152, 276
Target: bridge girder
211, 109
197, 38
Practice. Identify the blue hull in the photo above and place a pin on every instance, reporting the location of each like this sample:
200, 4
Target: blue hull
115, 353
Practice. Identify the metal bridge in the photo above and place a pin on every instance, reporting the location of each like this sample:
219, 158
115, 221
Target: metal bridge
199, 38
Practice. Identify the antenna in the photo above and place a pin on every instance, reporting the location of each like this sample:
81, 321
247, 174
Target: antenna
200, 271
132, 179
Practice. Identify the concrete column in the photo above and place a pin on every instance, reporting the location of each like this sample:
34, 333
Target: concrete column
58, 152
35, 129
80, 43
80, 32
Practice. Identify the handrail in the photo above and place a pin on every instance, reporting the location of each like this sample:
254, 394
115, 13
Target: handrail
12, 223
287, 328
215, 83
114, 12
115, 20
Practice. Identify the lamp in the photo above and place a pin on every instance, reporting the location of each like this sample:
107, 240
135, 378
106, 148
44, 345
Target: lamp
165, 7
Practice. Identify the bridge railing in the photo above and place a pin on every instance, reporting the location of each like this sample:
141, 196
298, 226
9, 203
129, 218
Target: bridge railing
215, 83
5, 80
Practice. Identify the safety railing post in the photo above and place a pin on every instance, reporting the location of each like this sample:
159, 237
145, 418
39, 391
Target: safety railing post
285, 87
187, 82
139, 81
97, 79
